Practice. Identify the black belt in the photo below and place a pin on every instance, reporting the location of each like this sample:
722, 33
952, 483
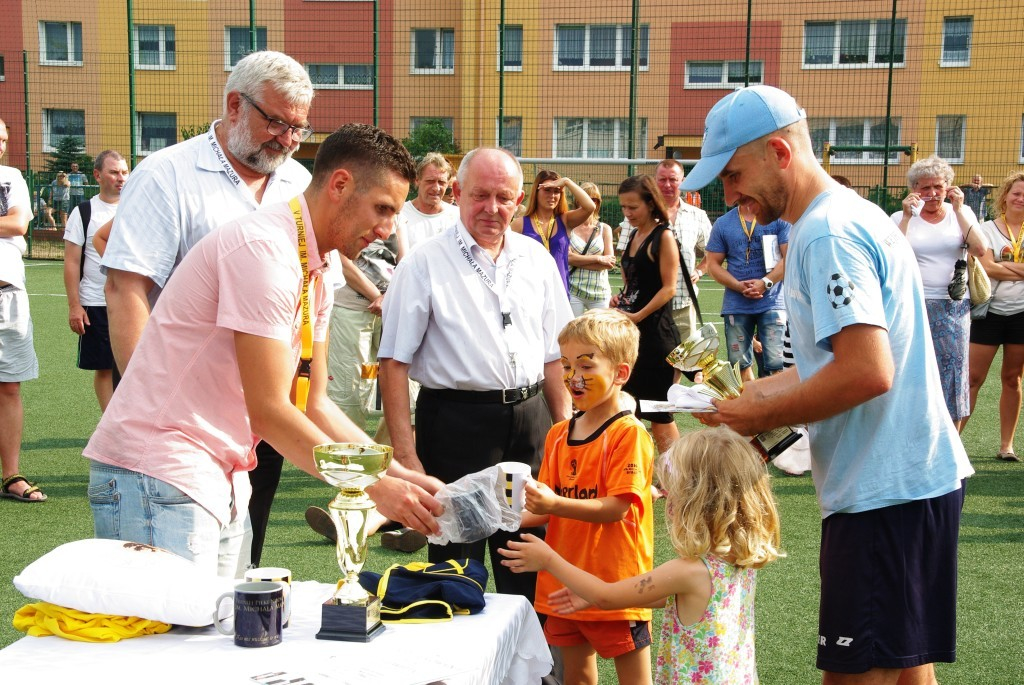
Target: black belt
503, 396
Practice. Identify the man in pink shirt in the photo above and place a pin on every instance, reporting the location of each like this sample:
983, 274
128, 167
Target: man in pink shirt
219, 358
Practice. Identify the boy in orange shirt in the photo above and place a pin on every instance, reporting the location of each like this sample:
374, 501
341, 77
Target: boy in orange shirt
594, 490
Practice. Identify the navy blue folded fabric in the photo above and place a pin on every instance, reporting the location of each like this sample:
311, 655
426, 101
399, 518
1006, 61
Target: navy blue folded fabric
422, 592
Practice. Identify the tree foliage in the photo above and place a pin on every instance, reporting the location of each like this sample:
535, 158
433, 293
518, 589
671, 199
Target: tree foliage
431, 136
190, 132
69, 149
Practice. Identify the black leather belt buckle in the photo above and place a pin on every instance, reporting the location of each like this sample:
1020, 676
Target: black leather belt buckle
514, 395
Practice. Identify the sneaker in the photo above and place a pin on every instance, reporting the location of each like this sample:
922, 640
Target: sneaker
403, 540
1007, 456
321, 521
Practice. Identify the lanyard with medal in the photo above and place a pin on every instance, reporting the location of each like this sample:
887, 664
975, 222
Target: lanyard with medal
306, 354
749, 232
503, 300
1015, 243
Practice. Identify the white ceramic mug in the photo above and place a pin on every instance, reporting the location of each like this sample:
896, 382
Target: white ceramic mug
514, 477
275, 574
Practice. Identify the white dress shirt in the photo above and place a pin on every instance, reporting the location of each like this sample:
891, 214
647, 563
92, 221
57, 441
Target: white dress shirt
178, 195
446, 322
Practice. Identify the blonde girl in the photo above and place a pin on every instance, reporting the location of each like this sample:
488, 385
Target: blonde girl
590, 256
724, 524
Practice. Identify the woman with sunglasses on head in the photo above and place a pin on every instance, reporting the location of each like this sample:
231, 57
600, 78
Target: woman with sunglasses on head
548, 218
590, 256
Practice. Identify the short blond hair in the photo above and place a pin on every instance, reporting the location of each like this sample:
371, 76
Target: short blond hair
435, 159
999, 197
720, 499
609, 330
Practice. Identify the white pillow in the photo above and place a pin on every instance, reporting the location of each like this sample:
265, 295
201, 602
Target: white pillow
124, 579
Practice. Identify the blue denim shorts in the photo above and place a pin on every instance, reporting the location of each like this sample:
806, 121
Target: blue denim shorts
128, 505
739, 338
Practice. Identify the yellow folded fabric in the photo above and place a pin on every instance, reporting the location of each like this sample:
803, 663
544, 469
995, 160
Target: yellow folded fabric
42, 619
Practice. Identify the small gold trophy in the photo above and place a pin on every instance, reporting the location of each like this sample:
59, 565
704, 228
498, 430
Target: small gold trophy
352, 614
722, 381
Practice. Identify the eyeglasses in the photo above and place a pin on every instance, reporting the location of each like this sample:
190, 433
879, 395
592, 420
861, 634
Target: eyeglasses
553, 191
276, 127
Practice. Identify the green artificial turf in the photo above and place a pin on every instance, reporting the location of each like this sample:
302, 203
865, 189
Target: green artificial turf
61, 411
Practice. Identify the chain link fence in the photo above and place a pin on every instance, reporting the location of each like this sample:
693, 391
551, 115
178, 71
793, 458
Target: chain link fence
594, 91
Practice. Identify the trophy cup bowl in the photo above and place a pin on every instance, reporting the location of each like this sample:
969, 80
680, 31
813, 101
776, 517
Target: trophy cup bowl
699, 353
352, 614
723, 381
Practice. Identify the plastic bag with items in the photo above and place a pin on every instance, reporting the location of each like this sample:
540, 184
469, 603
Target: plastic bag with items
474, 508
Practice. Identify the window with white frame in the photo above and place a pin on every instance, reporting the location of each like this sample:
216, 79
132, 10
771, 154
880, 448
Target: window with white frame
512, 135
433, 51
154, 47
956, 41
854, 43
597, 138
341, 76
854, 131
62, 123
721, 74
155, 131
60, 43
950, 131
599, 47
237, 44
513, 48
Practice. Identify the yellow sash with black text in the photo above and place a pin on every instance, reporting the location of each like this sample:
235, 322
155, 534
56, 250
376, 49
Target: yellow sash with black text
306, 353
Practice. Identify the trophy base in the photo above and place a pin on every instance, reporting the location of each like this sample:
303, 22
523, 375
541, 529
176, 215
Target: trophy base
772, 443
350, 623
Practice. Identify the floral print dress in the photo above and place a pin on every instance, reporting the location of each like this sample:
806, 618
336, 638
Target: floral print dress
719, 648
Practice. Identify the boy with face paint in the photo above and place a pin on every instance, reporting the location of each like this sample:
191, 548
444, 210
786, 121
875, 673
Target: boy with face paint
594, 492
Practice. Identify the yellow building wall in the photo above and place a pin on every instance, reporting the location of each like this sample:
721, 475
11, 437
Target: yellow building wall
434, 95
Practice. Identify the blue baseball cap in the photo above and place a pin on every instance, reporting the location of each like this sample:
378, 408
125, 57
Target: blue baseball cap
739, 118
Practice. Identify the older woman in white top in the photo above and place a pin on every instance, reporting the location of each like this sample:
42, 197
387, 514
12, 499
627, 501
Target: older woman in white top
938, 231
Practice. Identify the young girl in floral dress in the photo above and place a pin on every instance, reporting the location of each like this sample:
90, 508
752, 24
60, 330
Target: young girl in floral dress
724, 524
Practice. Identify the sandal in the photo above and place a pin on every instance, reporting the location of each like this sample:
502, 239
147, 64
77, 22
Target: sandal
1007, 456
26, 495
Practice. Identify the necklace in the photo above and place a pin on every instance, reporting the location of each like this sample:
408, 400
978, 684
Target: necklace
549, 230
1015, 243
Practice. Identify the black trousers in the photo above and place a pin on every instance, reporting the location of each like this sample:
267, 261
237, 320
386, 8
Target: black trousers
264, 480
454, 439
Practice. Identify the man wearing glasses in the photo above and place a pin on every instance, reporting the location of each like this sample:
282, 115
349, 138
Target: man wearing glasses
179, 194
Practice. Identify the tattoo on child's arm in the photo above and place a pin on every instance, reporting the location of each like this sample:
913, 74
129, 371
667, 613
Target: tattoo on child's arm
645, 584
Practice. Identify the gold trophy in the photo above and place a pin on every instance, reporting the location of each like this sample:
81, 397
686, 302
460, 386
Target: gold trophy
722, 381
352, 614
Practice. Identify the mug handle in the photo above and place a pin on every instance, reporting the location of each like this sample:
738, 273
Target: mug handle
217, 623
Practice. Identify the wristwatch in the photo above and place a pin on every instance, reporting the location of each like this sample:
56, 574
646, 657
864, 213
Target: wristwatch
768, 283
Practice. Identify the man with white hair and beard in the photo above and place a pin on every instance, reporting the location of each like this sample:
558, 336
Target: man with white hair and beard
179, 194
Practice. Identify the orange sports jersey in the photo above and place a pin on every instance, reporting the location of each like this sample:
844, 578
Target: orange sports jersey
616, 460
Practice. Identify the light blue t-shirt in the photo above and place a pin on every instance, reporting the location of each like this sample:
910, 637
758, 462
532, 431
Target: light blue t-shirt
745, 260
849, 264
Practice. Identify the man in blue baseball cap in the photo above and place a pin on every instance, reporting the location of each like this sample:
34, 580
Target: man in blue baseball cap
888, 464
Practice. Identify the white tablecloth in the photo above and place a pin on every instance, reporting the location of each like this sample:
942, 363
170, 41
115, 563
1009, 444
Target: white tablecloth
503, 645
